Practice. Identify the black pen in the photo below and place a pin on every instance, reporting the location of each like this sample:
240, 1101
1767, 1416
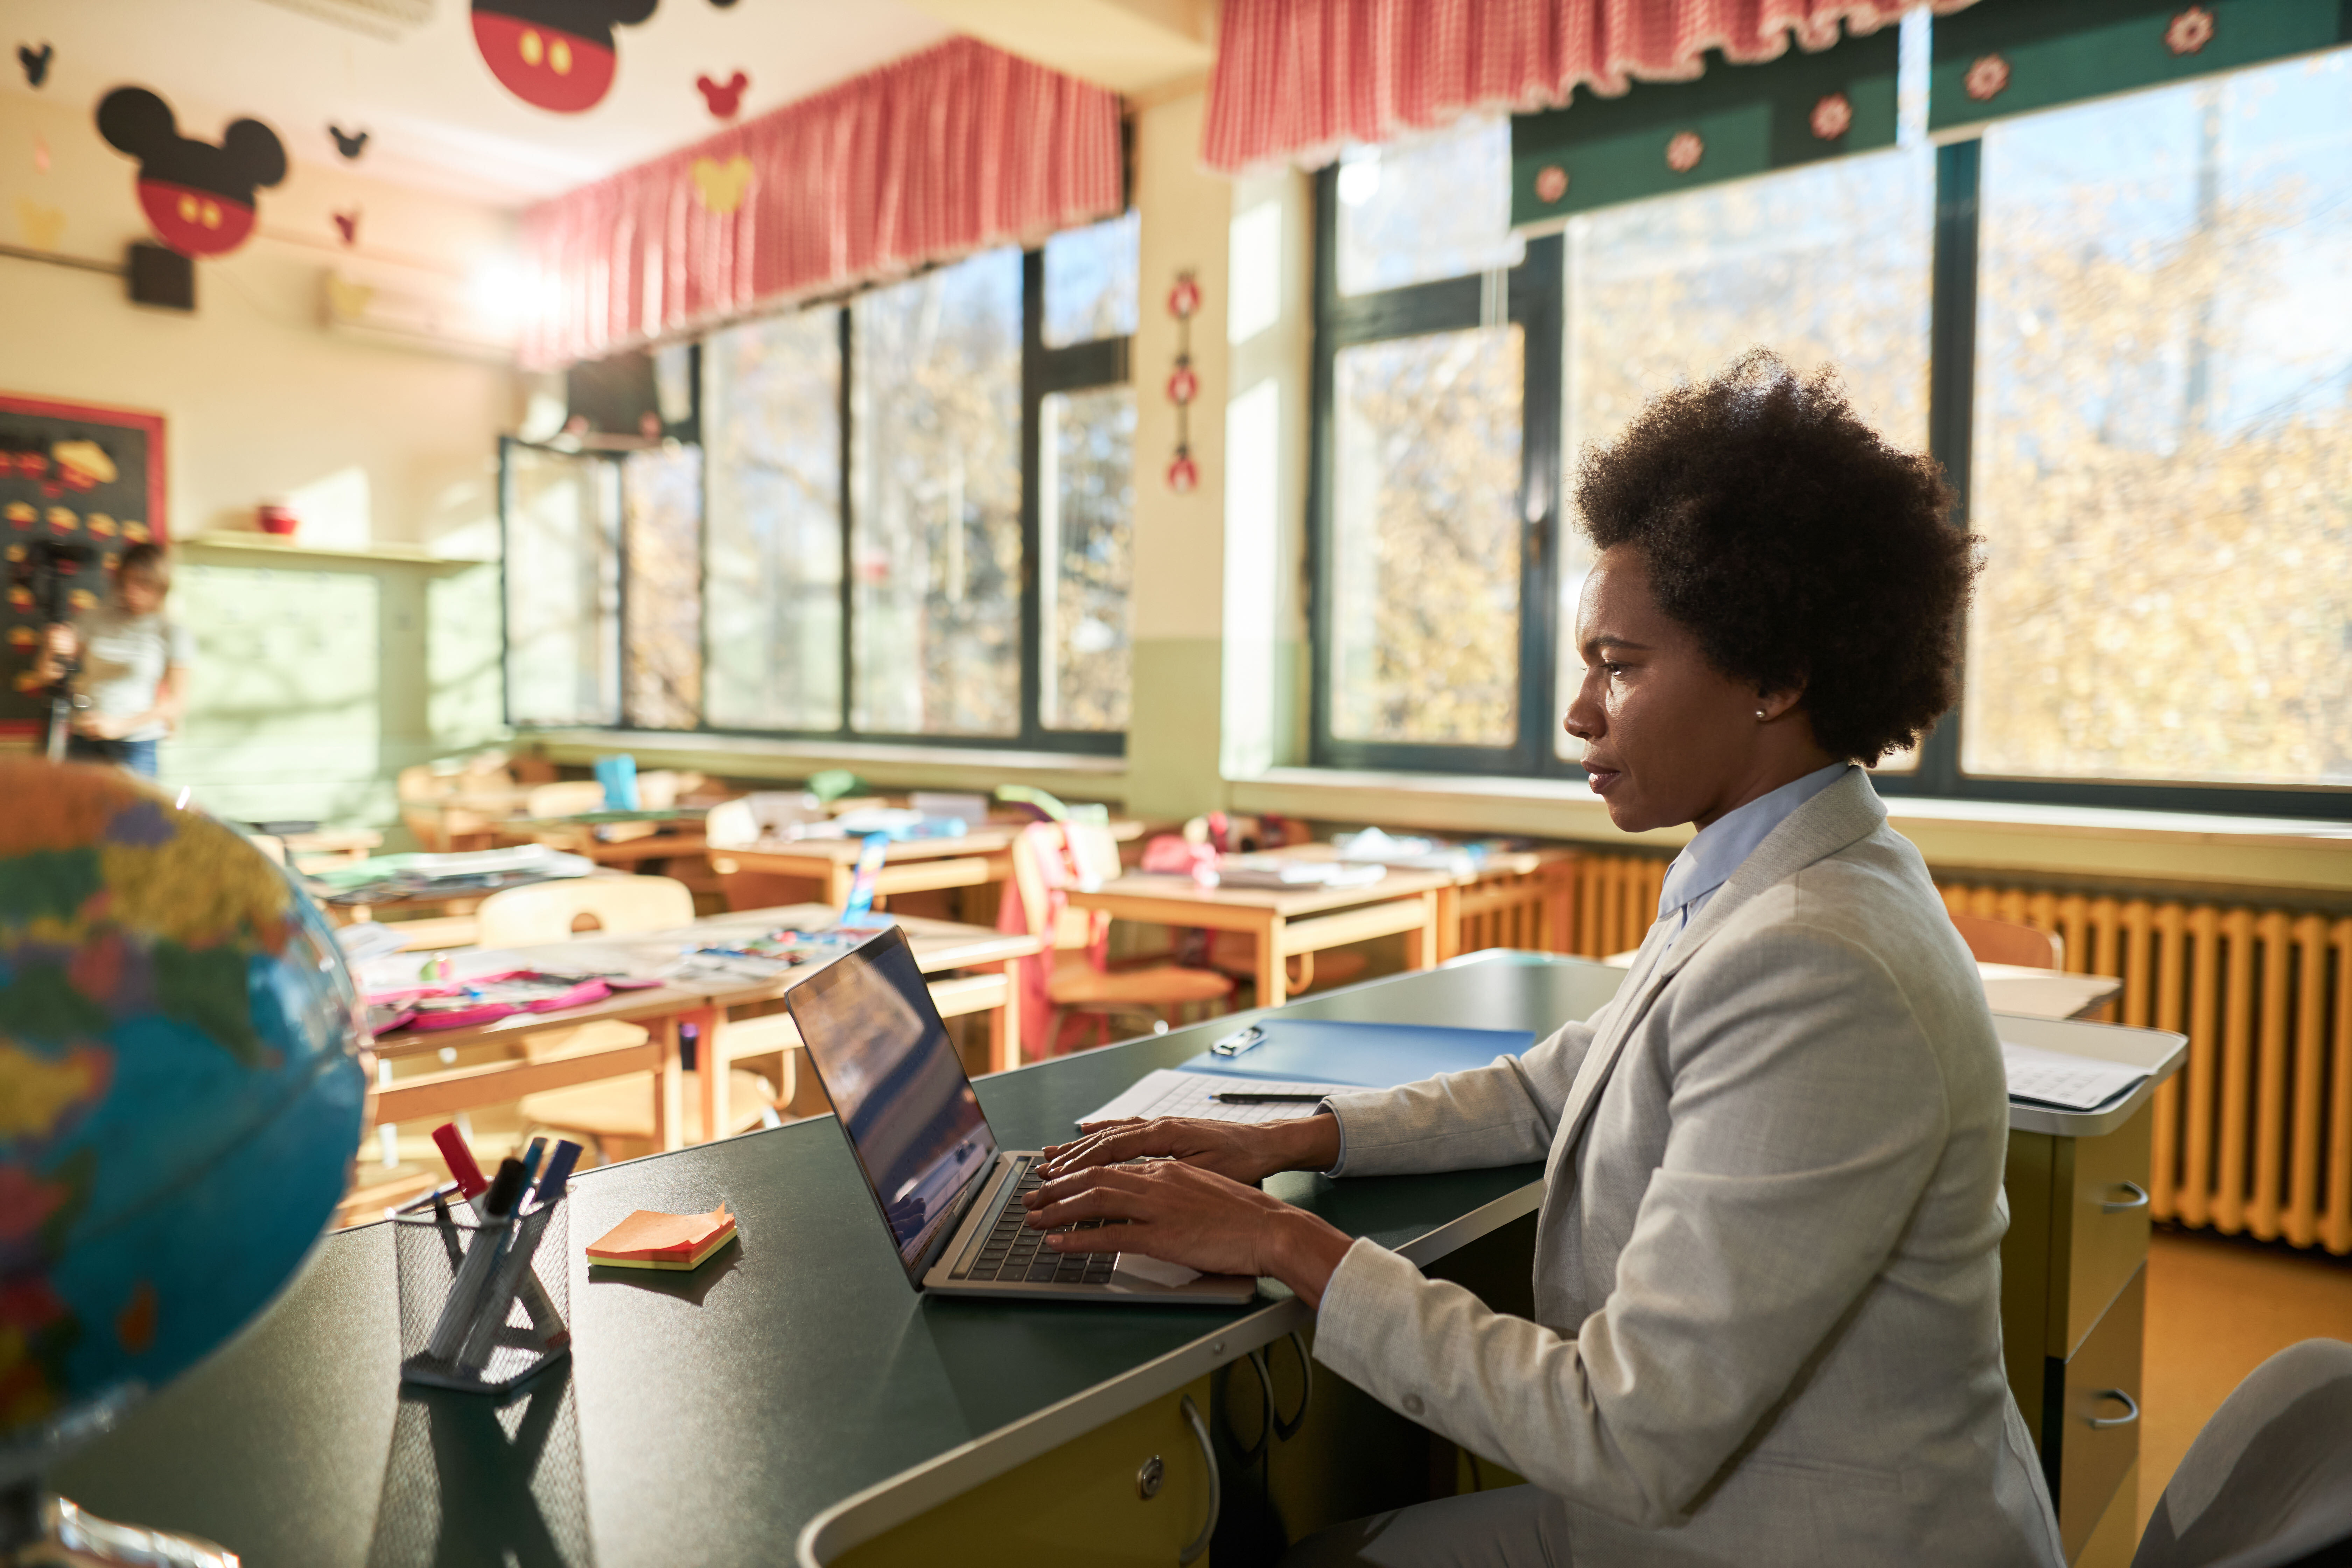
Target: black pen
1239, 1099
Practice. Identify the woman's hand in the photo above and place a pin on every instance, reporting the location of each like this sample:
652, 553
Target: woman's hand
1181, 1213
1247, 1152
99, 726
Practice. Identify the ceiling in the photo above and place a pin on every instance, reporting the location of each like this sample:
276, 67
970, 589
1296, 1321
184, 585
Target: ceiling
436, 117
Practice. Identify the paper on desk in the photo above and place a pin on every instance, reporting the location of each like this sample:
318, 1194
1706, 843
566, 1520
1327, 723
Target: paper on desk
2069, 1082
1166, 1092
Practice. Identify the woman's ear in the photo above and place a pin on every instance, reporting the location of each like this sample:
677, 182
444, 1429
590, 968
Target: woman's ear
1772, 705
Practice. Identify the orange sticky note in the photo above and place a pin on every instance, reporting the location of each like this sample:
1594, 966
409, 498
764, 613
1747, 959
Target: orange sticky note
674, 1241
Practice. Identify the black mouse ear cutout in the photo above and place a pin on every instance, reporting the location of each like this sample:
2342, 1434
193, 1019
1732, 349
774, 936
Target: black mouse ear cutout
629, 13
134, 120
255, 152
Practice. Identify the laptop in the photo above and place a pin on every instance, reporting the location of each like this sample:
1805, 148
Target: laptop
949, 1196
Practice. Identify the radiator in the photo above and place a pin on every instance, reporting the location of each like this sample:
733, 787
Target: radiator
2253, 1136
1533, 909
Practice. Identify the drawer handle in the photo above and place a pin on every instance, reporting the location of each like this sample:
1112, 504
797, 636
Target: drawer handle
2139, 1199
1216, 1490
2131, 1407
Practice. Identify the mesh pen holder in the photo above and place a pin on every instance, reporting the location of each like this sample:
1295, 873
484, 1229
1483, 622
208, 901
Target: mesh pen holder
533, 1331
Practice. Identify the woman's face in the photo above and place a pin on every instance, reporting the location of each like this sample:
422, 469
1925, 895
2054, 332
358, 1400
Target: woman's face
141, 595
1667, 737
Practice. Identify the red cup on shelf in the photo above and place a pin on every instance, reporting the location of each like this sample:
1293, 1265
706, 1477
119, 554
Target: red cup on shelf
278, 519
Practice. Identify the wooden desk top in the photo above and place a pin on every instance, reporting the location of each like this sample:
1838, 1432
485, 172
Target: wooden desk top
1136, 888
989, 838
1511, 862
939, 946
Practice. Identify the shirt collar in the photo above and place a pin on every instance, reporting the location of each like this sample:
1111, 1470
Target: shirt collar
1709, 860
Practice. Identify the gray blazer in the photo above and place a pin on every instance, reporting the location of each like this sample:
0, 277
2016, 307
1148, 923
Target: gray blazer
1768, 1278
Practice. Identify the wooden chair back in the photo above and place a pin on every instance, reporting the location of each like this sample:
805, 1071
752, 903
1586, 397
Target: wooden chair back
567, 798
2008, 941
553, 911
1040, 867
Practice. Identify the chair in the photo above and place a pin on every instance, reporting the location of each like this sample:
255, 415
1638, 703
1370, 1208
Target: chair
2268, 1482
569, 797
553, 912
2008, 941
1073, 974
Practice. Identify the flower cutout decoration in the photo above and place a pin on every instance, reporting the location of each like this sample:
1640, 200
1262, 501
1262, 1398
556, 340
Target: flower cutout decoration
1685, 150
1184, 474
1551, 184
1185, 298
1987, 78
1833, 116
1183, 385
2190, 31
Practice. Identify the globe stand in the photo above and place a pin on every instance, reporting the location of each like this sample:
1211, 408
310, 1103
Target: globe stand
39, 1529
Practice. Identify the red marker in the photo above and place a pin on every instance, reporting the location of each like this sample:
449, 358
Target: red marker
470, 1185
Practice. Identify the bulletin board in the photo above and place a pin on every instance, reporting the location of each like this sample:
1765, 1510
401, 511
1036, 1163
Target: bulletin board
76, 474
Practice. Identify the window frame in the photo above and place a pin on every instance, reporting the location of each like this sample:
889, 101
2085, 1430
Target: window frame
1341, 322
1085, 366
1533, 302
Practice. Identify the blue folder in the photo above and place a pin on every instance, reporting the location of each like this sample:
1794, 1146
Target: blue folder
1369, 1056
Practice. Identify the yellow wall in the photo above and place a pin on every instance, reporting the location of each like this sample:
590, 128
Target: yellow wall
313, 686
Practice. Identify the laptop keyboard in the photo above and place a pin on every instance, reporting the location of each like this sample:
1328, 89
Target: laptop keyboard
1014, 1254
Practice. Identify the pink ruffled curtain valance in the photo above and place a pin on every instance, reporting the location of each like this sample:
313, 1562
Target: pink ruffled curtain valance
1297, 81
951, 151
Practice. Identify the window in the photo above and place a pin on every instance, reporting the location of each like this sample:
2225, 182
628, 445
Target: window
563, 523
2163, 445
1434, 455
911, 517
2118, 324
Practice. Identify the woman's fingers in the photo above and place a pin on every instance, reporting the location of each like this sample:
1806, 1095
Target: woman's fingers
1128, 1140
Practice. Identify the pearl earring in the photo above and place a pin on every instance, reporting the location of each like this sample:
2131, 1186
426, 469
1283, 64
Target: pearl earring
1759, 712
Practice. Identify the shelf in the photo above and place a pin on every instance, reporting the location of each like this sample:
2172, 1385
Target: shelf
313, 555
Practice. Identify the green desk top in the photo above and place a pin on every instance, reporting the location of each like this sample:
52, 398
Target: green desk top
707, 1420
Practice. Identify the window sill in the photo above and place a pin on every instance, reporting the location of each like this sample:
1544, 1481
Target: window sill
889, 765
1954, 835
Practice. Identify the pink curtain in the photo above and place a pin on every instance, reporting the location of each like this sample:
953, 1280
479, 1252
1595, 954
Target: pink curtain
955, 150
1297, 81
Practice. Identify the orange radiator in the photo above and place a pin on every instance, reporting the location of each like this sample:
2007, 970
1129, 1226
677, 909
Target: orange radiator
2255, 1135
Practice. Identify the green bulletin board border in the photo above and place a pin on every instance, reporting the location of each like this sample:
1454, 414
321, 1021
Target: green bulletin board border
1750, 119
2044, 54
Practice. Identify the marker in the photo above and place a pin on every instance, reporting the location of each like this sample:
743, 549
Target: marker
551, 1181
513, 1276
531, 1157
460, 1159
1269, 1099
481, 1258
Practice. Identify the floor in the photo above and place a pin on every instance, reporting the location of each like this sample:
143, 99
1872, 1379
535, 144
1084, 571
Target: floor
2218, 1307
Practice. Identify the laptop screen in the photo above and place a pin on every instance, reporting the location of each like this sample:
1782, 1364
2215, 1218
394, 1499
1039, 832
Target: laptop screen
875, 1041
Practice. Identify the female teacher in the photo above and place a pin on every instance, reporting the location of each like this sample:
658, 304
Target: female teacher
1766, 1278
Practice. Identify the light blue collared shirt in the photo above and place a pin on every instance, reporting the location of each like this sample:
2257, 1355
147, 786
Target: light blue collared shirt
1709, 860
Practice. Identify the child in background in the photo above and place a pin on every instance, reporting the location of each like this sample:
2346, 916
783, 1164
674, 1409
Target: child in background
135, 665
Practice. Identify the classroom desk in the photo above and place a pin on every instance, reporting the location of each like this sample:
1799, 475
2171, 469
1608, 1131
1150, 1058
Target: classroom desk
976, 859
1483, 889
2015, 988
796, 1394
703, 999
1279, 920
794, 1391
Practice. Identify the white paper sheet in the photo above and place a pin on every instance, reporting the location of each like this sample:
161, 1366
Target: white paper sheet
1166, 1092
2073, 1083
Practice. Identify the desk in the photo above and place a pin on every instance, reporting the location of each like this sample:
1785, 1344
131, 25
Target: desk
1513, 898
1404, 902
797, 1390
978, 858
939, 946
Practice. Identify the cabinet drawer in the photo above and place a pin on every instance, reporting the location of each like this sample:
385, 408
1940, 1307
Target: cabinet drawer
2102, 1228
2097, 1438
1081, 1501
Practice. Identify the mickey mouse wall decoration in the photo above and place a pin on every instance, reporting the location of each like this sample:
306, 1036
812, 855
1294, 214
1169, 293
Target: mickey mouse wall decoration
723, 96
350, 144
555, 54
199, 198
35, 62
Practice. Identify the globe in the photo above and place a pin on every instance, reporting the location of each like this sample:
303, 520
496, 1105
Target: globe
180, 1093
